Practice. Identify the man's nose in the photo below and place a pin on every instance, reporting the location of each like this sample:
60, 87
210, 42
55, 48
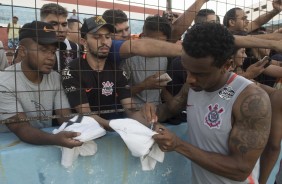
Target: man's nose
62, 28
191, 79
125, 33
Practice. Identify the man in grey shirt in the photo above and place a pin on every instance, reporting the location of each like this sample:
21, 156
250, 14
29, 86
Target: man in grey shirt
31, 90
143, 72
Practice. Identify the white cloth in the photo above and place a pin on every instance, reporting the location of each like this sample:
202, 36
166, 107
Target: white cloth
89, 129
139, 141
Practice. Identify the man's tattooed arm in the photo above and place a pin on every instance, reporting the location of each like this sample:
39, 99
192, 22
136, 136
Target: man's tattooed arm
251, 125
174, 105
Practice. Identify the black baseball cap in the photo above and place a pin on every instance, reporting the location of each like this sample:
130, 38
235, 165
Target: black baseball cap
41, 32
93, 24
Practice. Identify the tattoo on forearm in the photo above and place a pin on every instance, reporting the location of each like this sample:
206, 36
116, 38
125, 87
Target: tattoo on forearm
252, 127
180, 100
175, 105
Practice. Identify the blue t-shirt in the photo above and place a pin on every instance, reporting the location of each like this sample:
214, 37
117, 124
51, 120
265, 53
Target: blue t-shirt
114, 55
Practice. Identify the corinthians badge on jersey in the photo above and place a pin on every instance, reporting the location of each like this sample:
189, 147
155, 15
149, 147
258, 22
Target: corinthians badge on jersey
226, 93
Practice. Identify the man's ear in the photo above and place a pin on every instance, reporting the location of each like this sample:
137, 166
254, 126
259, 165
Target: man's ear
231, 23
22, 52
84, 44
83, 41
80, 41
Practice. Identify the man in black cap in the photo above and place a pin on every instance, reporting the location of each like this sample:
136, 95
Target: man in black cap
98, 86
31, 90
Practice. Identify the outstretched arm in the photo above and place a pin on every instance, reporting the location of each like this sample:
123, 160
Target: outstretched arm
253, 42
258, 22
149, 48
270, 36
273, 71
248, 137
32, 135
184, 21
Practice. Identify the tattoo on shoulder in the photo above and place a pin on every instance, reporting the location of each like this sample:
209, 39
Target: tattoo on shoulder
252, 124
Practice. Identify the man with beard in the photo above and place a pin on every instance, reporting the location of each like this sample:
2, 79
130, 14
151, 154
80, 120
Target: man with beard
236, 19
93, 83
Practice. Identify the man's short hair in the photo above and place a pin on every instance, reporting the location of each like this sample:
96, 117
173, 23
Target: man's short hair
15, 17
52, 8
72, 21
157, 23
230, 15
114, 16
202, 15
209, 39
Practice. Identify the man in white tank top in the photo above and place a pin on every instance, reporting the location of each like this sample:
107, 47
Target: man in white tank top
228, 116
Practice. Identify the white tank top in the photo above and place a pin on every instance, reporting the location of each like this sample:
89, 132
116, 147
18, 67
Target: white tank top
209, 124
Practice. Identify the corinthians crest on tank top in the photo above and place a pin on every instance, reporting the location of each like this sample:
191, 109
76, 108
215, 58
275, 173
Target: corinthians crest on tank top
209, 123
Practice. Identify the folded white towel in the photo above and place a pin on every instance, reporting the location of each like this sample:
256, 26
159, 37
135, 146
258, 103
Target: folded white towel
148, 161
89, 129
139, 141
70, 155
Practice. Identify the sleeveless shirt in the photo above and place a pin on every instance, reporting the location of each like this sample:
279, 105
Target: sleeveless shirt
209, 124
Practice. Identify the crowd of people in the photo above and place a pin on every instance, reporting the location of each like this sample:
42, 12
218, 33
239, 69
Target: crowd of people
94, 68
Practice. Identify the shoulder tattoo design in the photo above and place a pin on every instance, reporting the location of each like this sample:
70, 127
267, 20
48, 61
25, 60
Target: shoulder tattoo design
252, 127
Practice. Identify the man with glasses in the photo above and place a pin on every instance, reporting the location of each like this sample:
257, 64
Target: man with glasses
237, 23
236, 19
